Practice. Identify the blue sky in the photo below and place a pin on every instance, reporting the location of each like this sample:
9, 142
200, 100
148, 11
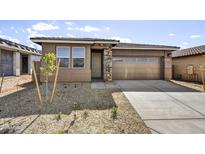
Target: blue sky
178, 33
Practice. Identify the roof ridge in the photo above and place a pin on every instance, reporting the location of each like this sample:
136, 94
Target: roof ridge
197, 50
148, 44
199, 46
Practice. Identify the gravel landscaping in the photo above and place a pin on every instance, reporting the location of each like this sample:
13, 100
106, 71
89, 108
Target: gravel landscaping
76, 108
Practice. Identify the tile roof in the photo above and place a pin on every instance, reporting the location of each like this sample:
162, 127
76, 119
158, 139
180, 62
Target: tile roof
17, 46
39, 40
189, 51
145, 46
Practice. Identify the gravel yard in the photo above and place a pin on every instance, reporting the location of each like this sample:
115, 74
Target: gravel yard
20, 112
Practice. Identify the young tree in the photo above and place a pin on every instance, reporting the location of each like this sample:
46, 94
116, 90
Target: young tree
48, 68
202, 69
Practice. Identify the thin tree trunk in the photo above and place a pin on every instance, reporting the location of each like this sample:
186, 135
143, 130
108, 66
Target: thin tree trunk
46, 88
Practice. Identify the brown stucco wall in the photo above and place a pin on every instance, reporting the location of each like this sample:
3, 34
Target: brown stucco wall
70, 74
180, 67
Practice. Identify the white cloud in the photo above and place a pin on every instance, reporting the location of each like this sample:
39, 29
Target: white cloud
185, 43
183, 47
90, 29
14, 29
32, 45
195, 36
107, 28
32, 33
44, 26
125, 40
69, 23
69, 35
10, 38
172, 34
85, 29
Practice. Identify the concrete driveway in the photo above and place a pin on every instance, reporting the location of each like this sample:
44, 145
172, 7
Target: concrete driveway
166, 107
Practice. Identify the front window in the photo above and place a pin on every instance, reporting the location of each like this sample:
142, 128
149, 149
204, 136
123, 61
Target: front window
63, 53
78, 57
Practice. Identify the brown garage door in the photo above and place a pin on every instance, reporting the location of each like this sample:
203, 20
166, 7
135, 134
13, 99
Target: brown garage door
6, 64
136, 68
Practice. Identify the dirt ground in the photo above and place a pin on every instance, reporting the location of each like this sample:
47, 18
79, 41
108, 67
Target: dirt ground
12, 84
20, 112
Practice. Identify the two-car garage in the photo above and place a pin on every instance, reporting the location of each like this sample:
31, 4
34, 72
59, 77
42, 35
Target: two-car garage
136, 68
132, 61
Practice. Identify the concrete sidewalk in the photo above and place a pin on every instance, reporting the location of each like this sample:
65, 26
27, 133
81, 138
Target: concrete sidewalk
166, 107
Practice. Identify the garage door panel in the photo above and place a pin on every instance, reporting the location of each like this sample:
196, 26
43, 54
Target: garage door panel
6, 63
136, 70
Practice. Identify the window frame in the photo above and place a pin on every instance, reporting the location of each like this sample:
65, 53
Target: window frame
68, 47
73, 57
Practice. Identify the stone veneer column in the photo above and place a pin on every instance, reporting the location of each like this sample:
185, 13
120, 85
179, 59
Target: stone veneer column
107, 64
167, 67
16, 63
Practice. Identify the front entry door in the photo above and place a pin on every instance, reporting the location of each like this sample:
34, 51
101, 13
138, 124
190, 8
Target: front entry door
24, 64
96, 65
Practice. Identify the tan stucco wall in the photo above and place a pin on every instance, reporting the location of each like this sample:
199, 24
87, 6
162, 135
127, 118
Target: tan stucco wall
73, 74
70, 74
180, 65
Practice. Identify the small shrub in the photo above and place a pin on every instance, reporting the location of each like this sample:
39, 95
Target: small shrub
58, 116
85, 114
61, 132
114, 112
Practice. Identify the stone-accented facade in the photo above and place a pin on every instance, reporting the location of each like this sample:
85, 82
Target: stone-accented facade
107, 73
154, 57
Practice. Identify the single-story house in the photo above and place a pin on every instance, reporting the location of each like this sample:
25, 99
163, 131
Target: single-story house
16, 59
186, 63
87, 59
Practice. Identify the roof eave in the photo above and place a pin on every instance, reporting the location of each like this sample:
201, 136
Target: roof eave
40, 41
168, 49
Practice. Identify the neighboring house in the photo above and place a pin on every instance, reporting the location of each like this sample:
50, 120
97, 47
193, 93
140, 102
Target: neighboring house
87, 59
186, 63
16, 59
